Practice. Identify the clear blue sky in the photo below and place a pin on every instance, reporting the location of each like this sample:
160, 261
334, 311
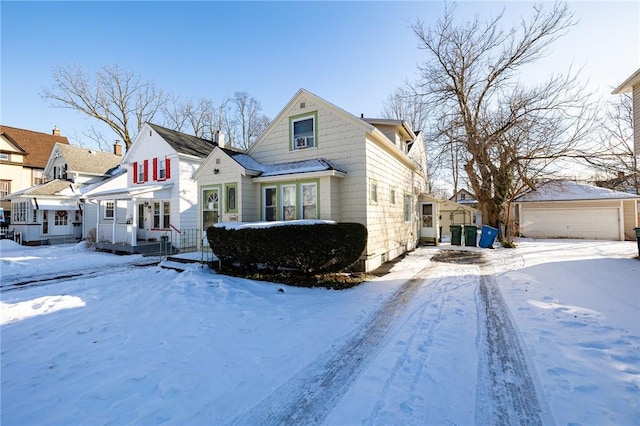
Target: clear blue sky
352, 54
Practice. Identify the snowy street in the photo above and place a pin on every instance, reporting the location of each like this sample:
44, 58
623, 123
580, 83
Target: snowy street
547, 333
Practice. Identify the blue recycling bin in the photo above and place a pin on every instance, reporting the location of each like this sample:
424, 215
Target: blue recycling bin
488, 236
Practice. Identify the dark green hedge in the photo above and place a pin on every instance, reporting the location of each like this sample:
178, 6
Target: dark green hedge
310, 249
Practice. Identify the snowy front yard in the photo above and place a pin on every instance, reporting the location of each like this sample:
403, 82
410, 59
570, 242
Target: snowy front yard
125, 344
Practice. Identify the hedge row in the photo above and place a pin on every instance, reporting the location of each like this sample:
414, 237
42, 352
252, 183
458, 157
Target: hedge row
309, 249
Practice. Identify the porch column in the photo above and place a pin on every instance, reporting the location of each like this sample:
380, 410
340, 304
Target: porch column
134, 223
115, 219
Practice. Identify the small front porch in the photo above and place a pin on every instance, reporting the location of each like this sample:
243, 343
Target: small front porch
145, 248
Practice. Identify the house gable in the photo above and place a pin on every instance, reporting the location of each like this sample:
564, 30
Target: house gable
276, 143
37, 145
79, 164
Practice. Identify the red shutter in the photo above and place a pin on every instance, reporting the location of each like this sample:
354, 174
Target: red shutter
167, 165
135, 172
155, 169
146, 170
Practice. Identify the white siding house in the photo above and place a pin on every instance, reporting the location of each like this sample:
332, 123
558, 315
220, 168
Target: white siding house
317, 161
632, 84
159, 199
54, 211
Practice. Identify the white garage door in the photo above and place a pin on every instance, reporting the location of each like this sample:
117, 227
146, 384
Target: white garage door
592, 224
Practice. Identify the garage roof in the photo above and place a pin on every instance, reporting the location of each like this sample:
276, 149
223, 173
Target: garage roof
572, 191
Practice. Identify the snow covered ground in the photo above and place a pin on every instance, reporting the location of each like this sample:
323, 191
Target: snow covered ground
546, 333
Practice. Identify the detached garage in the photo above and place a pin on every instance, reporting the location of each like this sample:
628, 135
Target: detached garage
565, 209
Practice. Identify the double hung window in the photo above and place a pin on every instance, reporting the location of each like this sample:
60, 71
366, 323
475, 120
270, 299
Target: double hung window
303, 132
161, 214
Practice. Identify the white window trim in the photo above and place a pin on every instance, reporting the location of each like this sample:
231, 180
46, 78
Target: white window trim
373, 191
112, 209
264, 200
294, 144
295, 200
302, 204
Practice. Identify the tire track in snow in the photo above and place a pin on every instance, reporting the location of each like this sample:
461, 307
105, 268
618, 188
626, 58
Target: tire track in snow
506, 393
309, 396
427, 317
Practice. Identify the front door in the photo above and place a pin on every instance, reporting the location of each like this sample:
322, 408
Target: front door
142, 222
211, 207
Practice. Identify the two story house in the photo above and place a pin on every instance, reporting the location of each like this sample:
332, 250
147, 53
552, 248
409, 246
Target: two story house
317, 161
23, 157
52, 212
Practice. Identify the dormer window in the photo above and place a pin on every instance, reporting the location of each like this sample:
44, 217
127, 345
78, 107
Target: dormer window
303, 131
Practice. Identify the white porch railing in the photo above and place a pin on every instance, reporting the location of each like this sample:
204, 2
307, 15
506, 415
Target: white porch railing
105, 233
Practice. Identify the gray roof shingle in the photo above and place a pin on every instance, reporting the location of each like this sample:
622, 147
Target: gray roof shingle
183, 143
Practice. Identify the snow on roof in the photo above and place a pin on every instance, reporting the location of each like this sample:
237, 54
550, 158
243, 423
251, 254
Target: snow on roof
572, 191
305, 166
246, 225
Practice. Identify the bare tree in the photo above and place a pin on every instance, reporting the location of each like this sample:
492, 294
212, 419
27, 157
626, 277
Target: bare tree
251, 123
613, 156
508, 134
118, 97
406, 104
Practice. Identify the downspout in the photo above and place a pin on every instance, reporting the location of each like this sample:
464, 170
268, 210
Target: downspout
115, 219
98, 222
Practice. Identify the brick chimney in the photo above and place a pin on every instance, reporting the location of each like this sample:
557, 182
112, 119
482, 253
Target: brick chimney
218, 139
56, 131
117, 148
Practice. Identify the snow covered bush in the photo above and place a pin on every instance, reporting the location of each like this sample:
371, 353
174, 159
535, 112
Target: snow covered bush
308, 248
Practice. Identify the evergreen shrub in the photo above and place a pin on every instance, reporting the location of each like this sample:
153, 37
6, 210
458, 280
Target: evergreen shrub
309, 249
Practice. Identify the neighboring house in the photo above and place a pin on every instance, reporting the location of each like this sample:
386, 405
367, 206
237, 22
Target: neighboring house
317, 161
565, 209
52, 212
81, 165
622, 183
632, 84
465, 197
23, 157
159, 198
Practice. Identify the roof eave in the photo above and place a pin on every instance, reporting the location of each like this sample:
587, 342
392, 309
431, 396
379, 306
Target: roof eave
628, 84
294, 176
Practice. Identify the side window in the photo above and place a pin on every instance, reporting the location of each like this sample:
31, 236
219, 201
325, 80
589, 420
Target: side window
407, 208
109, 210
373, 191
231, 198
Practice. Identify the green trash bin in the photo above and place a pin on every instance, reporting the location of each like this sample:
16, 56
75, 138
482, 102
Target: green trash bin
470, 235
638, 238
456, 235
